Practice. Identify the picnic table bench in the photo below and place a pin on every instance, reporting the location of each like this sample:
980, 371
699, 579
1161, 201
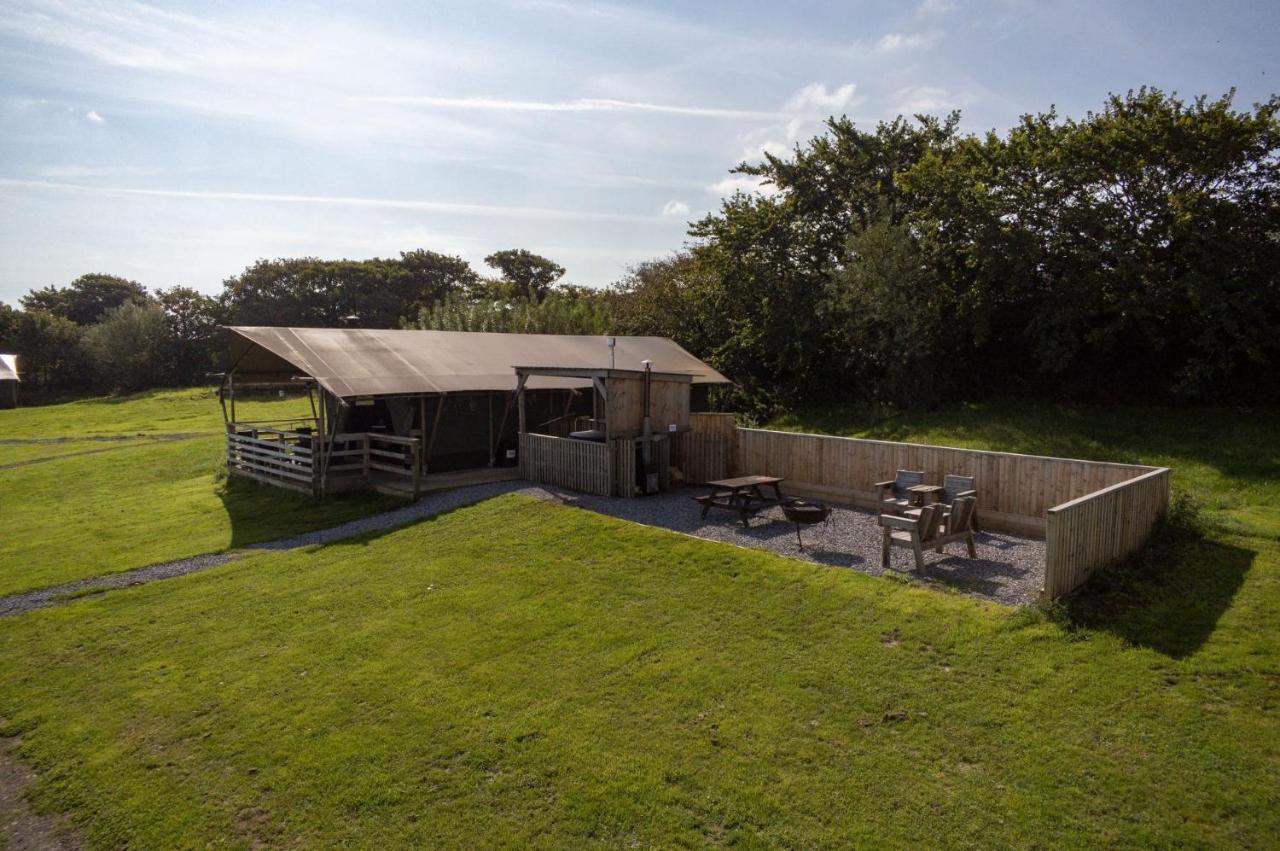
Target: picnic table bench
742, 495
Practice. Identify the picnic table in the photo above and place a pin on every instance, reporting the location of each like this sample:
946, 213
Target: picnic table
741, 494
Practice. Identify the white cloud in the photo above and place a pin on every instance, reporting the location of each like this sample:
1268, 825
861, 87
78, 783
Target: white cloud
816, 97
741, 183
890, 42
577, 105
675, 208
925, 99
428, 206
93, 116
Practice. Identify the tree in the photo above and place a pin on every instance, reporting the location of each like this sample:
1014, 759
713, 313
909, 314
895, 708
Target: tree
530, 275
433, 277
676, 297
87, 299
49, 346
194, 341
129, 347
567, 310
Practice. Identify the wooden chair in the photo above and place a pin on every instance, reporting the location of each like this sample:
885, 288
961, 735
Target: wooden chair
933, 529
954, 487
894, 495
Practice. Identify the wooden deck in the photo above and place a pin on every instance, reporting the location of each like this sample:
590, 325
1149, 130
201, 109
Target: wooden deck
396, 485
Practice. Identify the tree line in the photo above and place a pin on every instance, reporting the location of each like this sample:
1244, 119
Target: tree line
1131, 254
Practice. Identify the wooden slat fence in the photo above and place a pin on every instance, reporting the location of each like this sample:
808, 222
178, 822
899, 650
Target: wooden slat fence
579, 465
624, 467
1014, 491
705, 423
701, 456
1101, 528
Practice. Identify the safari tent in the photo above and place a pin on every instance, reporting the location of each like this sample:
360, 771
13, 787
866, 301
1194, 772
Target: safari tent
404, 411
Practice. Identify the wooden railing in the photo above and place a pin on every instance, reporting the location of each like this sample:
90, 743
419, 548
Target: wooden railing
296, 460
580, 465
274, 456
1101, 528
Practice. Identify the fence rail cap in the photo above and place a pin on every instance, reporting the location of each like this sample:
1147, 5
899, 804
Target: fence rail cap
1152, 472
1146, 468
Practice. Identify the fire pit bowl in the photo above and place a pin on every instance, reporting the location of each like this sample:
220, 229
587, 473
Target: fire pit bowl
800, 511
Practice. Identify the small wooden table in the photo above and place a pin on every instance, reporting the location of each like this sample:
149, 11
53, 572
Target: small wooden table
742, 495
924, 494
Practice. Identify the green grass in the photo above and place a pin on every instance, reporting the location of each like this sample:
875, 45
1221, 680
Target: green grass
519, 674
1227, 459
76, 517
191, 410
23, 453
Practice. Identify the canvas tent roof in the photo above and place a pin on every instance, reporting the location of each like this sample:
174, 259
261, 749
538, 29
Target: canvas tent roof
8, 367
352, 362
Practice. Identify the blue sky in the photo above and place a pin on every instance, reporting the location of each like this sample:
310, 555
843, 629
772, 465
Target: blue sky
178, 143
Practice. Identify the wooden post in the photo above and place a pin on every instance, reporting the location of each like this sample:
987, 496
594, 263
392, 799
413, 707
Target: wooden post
520, 401
435, 426
488, 400
417, 469
231, 386
422, 416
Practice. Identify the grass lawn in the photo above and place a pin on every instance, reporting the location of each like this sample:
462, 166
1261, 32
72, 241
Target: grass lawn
22, 453
190, 410
565, 679
133, 503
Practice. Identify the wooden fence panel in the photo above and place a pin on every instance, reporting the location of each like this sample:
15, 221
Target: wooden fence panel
624, 465
701, 456
579, 465
1014, 490
1101, 528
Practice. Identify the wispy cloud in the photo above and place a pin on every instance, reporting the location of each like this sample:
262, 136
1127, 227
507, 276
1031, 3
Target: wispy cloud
427, 206
577, 105
816, 97
92, 115
892, 42
675, 208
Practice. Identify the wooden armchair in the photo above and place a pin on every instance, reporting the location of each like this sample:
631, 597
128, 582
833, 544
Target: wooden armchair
895, 497
954, 487
933, 529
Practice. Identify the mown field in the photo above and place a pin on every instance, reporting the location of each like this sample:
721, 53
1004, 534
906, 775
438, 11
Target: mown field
74, 508
517, 673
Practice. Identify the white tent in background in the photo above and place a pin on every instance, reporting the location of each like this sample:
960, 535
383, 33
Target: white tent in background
8, 381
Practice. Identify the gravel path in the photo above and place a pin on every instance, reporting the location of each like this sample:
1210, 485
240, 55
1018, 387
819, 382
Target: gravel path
1009, 569
16, 604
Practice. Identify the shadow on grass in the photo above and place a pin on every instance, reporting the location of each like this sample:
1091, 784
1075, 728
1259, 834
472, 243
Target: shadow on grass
259, 512
1170, 597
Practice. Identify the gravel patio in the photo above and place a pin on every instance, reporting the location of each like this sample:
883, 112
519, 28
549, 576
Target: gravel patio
1009, 568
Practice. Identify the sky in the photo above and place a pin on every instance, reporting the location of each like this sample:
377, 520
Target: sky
179, 143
